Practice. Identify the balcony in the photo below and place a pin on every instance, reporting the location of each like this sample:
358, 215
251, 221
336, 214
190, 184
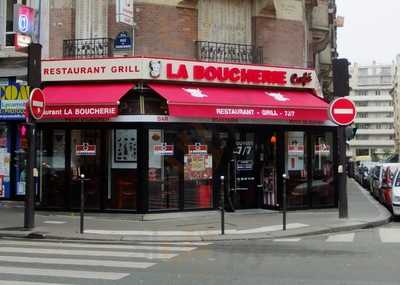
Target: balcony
226, 52
88, 48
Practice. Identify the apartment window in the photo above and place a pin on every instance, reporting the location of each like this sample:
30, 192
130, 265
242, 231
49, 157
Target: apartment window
362, 104
363, 126
363, 71
378, 126
377, 92
361, 137
10, 22
391, 137
386, 79
386, 71
362, 92
362, 115
362, 151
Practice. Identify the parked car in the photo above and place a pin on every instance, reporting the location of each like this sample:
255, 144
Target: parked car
379, 176
385, 192
395, 195
375, 182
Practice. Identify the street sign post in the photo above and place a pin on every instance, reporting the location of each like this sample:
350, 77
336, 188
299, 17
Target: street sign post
342, 111
37, 104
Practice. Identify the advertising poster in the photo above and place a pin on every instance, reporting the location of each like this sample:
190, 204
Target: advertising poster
125, 146
197, 167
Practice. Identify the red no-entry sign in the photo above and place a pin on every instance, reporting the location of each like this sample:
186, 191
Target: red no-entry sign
342, 111
37, 103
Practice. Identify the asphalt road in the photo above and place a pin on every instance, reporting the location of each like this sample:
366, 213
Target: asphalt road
370, 256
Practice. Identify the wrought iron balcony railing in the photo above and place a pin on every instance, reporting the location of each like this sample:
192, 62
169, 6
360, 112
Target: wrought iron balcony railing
88, 48
226, 52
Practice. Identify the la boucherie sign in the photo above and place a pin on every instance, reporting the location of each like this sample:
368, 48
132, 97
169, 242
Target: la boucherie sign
142, 68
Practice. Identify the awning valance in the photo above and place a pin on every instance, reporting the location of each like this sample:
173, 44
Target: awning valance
239, 103
87, 101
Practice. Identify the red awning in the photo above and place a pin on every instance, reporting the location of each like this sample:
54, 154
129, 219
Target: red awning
236, 103
86, 101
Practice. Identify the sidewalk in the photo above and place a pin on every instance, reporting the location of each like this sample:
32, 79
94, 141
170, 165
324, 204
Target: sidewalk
364, 212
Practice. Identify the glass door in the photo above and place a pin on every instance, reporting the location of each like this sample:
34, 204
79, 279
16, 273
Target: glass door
243, 182
87, 158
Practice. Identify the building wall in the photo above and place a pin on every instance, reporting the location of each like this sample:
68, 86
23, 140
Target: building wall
371, 86
282, 40
166, 31
395, 93
62, 25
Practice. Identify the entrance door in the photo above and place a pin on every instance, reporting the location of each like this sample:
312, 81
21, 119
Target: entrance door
242, 173
87, 158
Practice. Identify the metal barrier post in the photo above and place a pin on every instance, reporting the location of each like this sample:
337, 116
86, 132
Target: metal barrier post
82, 178
222, 204
284, 201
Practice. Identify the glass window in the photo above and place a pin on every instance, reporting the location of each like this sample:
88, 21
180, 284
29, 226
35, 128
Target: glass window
322, 186
87, 158
4, 162
52, 168
10, 22
198, 168
164, 169
362, 152
155, 105
296, 167
129, 105
123, 186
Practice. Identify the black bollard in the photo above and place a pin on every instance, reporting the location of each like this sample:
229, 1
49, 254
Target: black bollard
222, 204
284, 201
82, 178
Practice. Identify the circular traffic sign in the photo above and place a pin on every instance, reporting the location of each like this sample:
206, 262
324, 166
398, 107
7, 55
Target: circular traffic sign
37, 103
342, 111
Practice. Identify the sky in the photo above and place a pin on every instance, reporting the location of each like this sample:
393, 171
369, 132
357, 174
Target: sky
371, 30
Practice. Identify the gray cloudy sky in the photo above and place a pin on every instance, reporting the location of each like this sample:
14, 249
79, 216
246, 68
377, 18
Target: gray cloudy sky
371, 30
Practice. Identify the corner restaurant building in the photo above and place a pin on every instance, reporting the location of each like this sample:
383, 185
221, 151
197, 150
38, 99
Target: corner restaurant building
156, 134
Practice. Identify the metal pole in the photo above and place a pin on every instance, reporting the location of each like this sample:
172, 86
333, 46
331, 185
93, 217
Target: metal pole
82, 201
34, 80
222, 203
341, 173
29, 215
284, 201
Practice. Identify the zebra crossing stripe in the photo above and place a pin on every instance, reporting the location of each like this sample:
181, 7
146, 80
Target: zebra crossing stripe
62, 273
106, 246
72, 261
388, 235
148, 255
349, 237
13, 282
287, 239
193, 243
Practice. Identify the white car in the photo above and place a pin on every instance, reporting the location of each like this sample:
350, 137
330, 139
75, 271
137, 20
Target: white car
396, 195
